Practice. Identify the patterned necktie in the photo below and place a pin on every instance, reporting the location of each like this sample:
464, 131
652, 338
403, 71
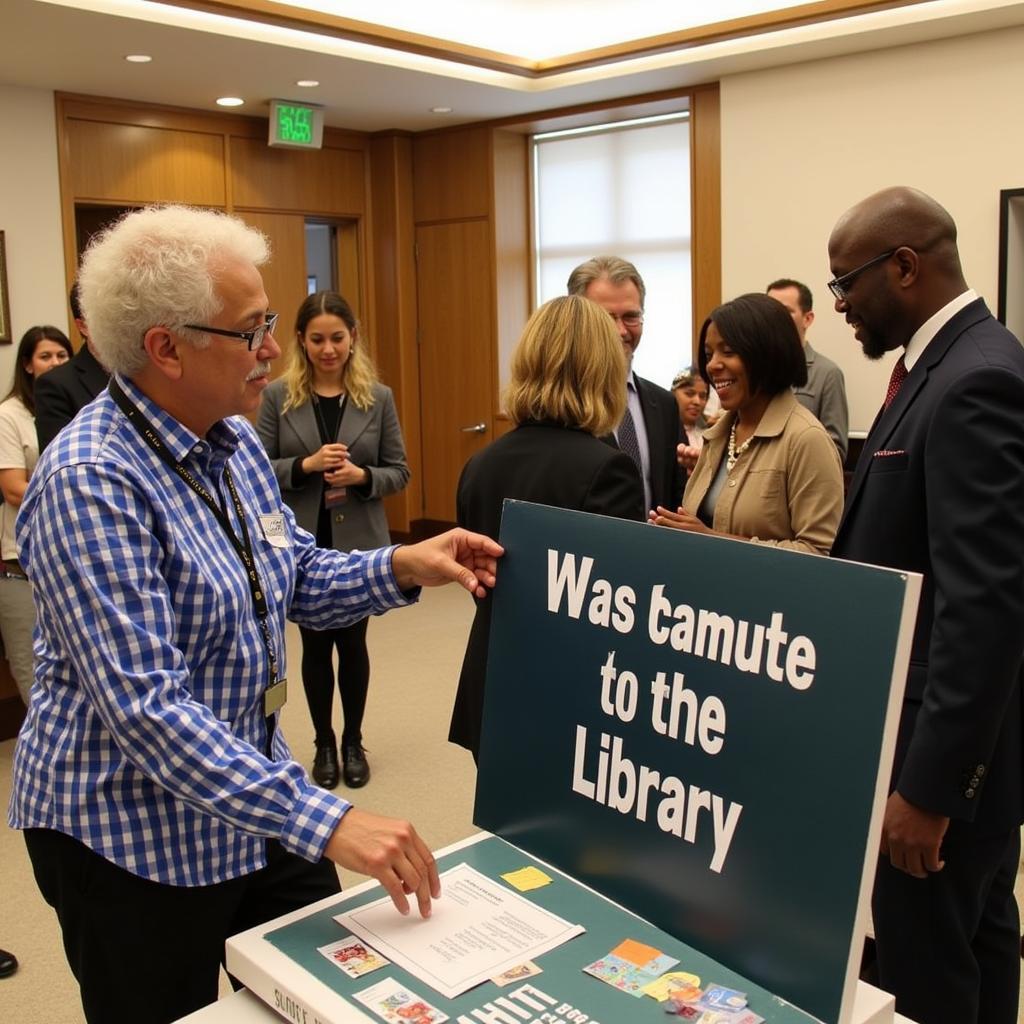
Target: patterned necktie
628, 441
899, 375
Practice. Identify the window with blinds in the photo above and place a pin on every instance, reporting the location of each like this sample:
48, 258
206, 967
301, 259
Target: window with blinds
621, 190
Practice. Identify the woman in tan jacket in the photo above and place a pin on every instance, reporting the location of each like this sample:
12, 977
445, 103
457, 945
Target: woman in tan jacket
768, 471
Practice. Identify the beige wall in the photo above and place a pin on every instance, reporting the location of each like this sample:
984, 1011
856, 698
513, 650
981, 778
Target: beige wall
802, 144
30, 216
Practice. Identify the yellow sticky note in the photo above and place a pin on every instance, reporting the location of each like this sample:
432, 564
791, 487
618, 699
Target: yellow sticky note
526, 879
675, 981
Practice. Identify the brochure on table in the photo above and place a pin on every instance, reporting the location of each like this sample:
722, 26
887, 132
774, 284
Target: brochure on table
701, 730
281, 964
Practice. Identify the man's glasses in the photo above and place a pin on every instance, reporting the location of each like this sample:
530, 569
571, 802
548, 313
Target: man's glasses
253, 339
628, 319
839, 285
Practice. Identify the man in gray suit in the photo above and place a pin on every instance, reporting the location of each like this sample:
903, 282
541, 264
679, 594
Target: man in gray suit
824, 394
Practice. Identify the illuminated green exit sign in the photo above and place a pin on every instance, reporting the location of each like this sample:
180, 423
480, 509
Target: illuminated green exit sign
297, 125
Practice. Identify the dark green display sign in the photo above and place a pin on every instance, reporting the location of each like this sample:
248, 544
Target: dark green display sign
701, 729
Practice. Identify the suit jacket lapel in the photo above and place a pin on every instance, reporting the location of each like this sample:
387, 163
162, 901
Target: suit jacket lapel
888, 419
354, 422
302, 422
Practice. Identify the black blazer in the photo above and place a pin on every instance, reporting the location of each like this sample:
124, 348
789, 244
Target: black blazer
939, 489
550, 465
664, 433
61, 393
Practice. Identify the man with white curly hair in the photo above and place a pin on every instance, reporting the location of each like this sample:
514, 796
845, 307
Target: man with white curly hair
162, 809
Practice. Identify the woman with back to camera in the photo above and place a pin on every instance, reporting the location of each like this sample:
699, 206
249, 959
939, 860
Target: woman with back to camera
565, 392
40, 349
768, 471
331, 430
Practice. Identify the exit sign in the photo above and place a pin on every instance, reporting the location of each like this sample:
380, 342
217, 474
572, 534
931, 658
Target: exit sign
296, 125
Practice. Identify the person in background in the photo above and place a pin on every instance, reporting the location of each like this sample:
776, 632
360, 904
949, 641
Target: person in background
649, 429
768, 472
40, 350
691, 394
564, 394
939, 490
824, 393
161, 808
332, 434
71, 387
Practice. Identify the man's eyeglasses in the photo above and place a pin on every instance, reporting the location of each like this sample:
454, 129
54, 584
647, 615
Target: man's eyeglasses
838, 285
627, 319
253, 339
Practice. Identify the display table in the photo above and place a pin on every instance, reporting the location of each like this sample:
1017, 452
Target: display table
280, 961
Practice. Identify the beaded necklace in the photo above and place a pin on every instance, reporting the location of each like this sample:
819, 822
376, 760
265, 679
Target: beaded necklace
734, 453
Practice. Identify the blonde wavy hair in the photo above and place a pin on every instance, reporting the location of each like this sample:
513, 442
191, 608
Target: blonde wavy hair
359, 374
569, 368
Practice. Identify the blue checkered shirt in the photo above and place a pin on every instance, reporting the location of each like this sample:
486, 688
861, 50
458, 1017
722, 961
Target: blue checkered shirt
145, 733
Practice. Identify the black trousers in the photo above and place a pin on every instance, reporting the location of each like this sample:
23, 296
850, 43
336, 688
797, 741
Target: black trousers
353, 679
948, 946
148, 953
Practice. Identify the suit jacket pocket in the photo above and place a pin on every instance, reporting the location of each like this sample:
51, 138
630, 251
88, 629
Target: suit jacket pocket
898, 462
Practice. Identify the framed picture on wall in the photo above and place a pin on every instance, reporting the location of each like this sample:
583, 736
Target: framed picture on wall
5, 308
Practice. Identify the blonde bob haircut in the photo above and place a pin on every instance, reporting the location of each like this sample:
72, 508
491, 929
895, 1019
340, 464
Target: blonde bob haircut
568, 368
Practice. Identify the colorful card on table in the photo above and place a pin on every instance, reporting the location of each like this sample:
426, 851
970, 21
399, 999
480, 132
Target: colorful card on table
527, 878
353, 956
394, 1003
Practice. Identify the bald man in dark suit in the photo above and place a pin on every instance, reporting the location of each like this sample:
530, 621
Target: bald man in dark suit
939, 490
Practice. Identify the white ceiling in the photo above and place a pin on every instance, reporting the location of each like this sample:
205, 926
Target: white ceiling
79, 46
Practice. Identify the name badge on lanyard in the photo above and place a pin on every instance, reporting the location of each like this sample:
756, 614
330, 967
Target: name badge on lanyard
274, 697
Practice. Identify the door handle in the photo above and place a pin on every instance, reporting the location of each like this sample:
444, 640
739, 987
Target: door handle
477, 428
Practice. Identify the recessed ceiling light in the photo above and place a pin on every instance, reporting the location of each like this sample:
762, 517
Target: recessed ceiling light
440, 110
229, 101
308, 83
138, 58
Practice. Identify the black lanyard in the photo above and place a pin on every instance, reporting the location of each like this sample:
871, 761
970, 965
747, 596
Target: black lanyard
243, 547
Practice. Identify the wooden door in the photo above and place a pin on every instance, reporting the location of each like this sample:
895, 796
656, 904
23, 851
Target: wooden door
453, 279
284, 277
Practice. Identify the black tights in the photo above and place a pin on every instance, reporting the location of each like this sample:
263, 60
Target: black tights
353, 679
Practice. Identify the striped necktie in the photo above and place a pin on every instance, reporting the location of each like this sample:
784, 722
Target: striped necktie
628, 440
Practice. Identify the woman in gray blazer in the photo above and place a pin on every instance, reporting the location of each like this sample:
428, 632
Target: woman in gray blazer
331, 431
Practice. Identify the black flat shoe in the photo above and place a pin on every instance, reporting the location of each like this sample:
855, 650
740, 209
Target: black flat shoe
8, 963
354, 767
325, 765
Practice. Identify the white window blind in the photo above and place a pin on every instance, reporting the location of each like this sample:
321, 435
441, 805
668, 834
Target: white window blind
622, 192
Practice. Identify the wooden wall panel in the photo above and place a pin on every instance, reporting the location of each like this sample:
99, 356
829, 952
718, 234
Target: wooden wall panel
324, 181
125, 163
512, 249
394, 334
284, 277
451, 171
706, 204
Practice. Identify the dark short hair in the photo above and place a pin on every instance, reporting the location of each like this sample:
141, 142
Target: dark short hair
805, 298
761, 332
24, 382
75, 302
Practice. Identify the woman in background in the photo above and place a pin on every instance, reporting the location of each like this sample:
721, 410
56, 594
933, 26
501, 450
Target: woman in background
565, 392
691, 394
40, 349
768, 471
331, 430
